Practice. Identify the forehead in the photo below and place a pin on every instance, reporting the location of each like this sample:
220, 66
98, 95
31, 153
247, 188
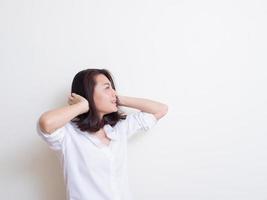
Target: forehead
101, 79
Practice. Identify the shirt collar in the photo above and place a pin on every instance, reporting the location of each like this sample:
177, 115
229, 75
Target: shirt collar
110, 132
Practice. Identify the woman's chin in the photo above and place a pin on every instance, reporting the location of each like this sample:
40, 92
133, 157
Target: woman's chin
114, 110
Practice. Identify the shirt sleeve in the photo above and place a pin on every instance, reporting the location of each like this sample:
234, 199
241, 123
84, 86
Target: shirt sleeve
138, 121
55, 139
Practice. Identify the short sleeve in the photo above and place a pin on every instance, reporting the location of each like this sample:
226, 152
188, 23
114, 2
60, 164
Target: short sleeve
138, 121
55, 139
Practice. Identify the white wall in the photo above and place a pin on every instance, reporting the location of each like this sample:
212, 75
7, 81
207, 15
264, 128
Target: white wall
205, 59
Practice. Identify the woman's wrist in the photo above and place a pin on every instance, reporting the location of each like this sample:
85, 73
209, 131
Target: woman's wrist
83, 107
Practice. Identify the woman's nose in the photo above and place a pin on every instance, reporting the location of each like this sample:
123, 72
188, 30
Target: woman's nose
114, 92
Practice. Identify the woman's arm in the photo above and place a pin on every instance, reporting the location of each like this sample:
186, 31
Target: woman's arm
156, 108
56, 118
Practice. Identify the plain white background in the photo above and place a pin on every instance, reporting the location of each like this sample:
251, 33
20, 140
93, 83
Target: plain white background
205, 59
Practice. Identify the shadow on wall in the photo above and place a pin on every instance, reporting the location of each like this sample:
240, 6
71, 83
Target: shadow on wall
49, 176
37, 170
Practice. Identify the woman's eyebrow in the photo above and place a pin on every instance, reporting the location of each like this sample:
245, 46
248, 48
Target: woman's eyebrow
106, 84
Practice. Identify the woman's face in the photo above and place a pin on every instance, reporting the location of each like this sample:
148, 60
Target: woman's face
104, 96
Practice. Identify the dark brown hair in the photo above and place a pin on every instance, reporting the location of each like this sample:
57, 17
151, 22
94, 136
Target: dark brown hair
83, 84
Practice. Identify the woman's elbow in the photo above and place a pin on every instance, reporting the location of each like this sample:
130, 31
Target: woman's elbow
162, 112
44, 124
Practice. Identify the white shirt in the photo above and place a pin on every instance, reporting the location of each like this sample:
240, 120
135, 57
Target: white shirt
92, 169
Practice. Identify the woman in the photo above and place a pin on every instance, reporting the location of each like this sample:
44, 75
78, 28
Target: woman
90, 135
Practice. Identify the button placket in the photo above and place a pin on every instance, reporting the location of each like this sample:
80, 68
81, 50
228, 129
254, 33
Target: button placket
113, 179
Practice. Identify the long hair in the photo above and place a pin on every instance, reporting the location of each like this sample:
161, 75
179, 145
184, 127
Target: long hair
83, 84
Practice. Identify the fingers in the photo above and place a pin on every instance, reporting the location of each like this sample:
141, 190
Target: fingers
70, 99
74, 98
72, 95
69, 102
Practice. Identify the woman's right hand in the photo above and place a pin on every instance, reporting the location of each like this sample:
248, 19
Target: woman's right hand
78, 99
